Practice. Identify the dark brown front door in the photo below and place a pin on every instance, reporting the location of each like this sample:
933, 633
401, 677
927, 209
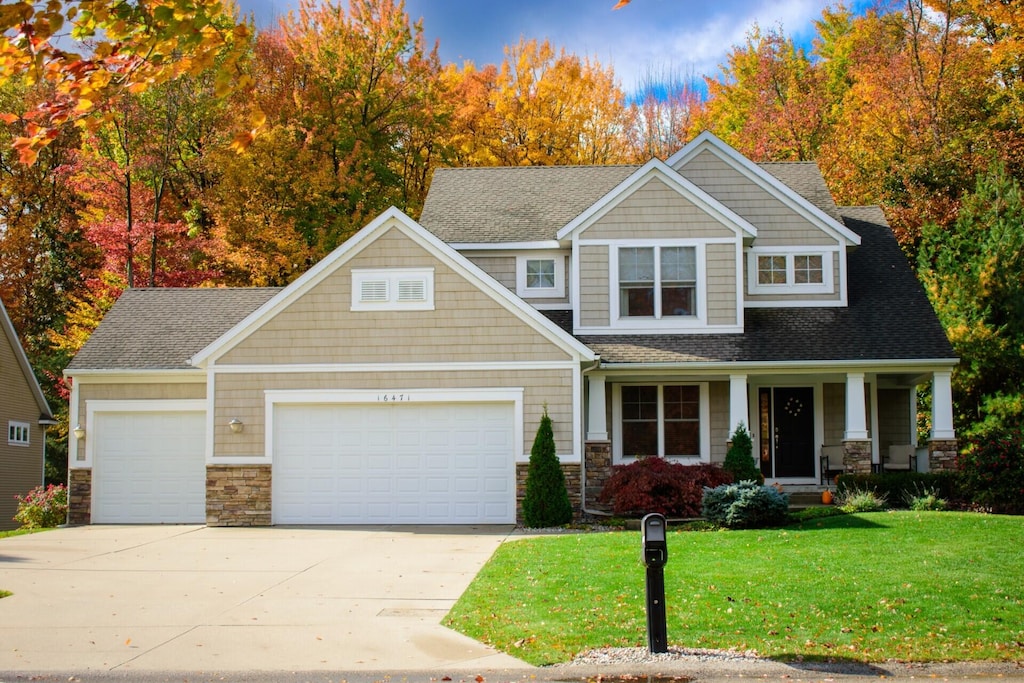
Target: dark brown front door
787, 432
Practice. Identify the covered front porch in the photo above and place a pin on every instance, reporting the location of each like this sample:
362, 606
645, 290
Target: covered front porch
806, 425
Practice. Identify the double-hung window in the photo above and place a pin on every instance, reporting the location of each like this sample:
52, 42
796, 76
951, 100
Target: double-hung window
665, 420
657, 282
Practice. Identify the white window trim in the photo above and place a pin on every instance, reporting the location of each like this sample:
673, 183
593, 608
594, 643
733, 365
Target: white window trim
392, 277
827, 285
19, 433
705, 422
654, 323
556, 292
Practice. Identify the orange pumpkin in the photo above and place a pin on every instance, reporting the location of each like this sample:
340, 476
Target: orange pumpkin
826, 497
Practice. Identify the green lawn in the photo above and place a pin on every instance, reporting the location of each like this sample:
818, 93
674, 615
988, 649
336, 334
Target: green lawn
912, 586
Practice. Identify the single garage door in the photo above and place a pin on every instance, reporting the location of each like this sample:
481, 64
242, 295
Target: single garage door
148, 467
414, 463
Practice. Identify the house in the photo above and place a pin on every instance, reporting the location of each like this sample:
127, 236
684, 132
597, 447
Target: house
25, 415
650, 309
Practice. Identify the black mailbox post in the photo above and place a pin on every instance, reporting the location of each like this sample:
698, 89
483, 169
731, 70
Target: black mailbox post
655, 555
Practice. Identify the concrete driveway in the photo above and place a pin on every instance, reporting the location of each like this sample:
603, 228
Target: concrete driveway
176, 598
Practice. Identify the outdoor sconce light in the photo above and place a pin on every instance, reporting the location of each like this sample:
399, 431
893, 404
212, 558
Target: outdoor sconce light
79, 431
236, 425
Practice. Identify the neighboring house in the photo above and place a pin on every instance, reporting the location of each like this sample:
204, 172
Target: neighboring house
24, 415
650, 309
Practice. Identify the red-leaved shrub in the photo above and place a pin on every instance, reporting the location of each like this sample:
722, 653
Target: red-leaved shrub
658, 485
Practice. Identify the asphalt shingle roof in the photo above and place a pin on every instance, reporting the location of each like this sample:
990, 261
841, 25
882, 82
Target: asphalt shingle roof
494, 204
161, 328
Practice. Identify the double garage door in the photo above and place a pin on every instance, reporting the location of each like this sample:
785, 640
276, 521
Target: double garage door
414, 463
395, 463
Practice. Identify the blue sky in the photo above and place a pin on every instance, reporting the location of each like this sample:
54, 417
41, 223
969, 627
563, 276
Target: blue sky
644, 36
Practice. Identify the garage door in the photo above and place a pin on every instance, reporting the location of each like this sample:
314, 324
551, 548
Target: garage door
416, 463
148, 467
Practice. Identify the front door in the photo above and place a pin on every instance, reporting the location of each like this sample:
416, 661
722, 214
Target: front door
786, 415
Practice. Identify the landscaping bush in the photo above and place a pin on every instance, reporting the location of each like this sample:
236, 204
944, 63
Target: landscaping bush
745, 505
992, 470
658, 485
43, 507
854, 499
898, 487
740, 458
546, 501
924, 499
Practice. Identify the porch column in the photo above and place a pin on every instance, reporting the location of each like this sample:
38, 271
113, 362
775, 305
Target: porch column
597, 425
856, 415
856, 445
942, 447
738, 408
942, 406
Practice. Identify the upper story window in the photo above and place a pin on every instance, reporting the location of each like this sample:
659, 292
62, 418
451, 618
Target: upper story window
540, 275
18, 433
393, 289
791, 272
657, 282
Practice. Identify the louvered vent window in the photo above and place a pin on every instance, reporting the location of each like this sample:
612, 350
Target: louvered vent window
393, 289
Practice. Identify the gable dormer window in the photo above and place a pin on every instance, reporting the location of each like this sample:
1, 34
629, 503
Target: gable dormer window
540, 275
779, 271
393, 289
657, 282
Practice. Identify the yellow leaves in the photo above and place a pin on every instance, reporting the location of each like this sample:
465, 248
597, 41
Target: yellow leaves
243, 140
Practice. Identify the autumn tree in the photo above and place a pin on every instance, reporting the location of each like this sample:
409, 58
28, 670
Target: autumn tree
539, 107
770, 101
664, 113
92, 52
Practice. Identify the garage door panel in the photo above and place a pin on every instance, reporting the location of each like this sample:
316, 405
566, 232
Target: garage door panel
412, 464
149, 467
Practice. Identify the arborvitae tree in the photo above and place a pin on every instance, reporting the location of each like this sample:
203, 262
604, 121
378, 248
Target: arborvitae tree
740, 458
546, 502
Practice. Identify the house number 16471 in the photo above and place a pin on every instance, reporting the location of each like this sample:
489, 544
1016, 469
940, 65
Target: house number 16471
393, 398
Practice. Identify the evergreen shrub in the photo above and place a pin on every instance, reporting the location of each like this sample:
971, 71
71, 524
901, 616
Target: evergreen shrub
546, 501
745, 505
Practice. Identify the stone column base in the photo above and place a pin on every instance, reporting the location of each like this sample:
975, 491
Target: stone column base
942, 454
571, 472
597, 457
238, 495
79, 496
857, 457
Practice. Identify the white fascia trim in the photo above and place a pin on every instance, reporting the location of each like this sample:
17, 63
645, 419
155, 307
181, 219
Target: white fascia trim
655, 168
395, 367
709, 142
551, 306
189, 405
656, 329
790, 367
505, 246
394, 218
514, 395
73, 443
655, 242
192, 376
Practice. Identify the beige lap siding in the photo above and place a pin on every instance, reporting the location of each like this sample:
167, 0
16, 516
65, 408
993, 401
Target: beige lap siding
721, 289
466, 325
594, 304
241, 396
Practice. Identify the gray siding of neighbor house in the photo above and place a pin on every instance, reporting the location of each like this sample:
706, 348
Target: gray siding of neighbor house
21, 467
320, 327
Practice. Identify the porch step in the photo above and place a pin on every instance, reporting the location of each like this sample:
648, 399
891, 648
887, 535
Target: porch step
805, 499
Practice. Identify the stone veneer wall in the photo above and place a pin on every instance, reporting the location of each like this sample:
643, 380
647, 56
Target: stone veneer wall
571, 471
79, 496
598, 457
942, 455
857, 457
238, 495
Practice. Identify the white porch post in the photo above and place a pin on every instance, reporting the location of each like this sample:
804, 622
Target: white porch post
942, 406
597, 425
738, 408
856, 416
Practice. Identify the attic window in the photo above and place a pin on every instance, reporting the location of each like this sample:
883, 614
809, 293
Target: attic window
18, 433
540, 275
781, 271
393, 289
